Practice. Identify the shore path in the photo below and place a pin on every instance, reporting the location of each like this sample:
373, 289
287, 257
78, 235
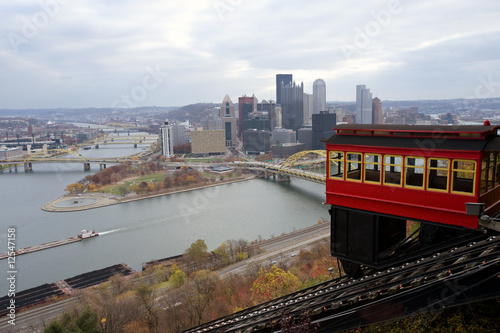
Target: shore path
91, 200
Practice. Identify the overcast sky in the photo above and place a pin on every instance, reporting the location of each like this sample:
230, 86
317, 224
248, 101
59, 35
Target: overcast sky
69, 53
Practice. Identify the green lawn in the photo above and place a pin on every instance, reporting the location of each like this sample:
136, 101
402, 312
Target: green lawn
115, 189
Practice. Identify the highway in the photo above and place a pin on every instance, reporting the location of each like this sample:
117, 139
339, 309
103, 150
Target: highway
278, 249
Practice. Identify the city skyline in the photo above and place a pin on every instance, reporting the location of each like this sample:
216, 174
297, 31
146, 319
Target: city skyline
57, 53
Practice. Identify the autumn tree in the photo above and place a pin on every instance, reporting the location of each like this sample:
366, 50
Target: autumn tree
273, 283
147, 300
178, 277
75, 187
199, 294
87, 321
197, 254
220, 256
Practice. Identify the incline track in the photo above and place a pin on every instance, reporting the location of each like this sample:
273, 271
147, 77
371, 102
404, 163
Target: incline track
459, 275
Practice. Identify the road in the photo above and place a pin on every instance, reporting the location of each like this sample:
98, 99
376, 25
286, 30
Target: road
278, 249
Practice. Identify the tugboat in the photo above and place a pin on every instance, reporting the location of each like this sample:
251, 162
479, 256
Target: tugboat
88, 234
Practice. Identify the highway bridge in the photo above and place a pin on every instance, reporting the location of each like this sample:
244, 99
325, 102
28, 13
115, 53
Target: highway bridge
129, 139
298, 165
308, 165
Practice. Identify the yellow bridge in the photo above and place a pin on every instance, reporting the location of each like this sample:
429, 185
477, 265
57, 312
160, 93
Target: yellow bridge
308, 165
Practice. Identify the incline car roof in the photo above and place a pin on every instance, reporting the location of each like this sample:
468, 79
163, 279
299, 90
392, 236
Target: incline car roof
418, 128
484, 139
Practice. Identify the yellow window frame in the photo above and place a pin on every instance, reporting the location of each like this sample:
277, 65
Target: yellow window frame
337, 160
429, 169
367, 163
384, 164
407, 166
473, 172
348, 162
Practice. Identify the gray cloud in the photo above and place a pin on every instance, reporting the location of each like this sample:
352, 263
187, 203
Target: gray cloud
63, 53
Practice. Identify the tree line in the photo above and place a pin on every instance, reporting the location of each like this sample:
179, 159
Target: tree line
173, 298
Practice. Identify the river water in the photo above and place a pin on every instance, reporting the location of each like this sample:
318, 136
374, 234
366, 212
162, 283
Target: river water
140, 231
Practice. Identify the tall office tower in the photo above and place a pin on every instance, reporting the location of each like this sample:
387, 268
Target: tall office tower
246, 105
322, 128
292, 105
270, 107
227, 113
308, 108
319, 96
282, 79
179, 136
363, 105
378, 115
279, 117
167, 140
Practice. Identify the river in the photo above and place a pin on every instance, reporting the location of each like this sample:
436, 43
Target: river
140, 231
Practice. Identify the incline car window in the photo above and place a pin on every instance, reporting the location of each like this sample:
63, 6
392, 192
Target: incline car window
419, 173
463, 174
392, 169
437, 174
373, 168
414, 175
353, 166
337, 164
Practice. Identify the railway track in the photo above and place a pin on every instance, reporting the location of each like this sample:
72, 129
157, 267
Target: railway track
459, 275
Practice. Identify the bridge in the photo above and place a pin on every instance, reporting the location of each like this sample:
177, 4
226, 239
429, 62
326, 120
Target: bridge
129, 139
61, 156
308, 165
298, 165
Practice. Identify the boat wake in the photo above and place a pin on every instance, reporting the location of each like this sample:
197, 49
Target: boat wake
101, 233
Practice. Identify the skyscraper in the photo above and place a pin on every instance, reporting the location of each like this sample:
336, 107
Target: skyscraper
308, 108
378, 115
292, 104
319, 96
270, 107
282, 79
167, 140
246, 104
227, 113
364, 113
322, 128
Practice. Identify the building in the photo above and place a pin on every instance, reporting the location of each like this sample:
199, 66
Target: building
319, 96
167, 139
228, 116
246, 105
363, 105
211, 142
212, 121
308, 108
179, 134
287, 149
279, 117
256, 142
8, 153
304, 135
281, 136
270, 107
322, 128
292, 105
282, 80
378, 114
257, 120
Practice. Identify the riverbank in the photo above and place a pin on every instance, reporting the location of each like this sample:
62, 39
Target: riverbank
91, 200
